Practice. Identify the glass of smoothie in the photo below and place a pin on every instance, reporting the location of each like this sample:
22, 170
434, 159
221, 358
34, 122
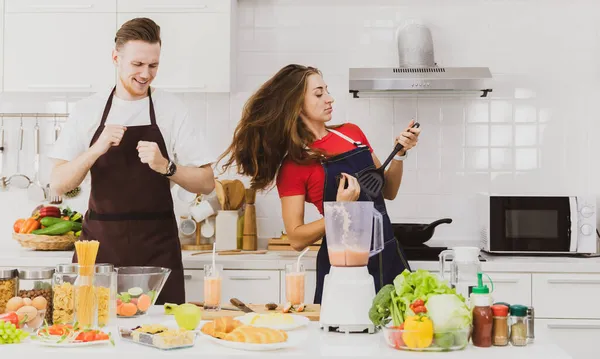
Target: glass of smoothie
294, 283
212, 287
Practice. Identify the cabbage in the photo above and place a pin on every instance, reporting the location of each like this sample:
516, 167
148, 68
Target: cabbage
448, 312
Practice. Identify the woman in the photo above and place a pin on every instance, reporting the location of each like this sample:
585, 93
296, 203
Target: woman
283, 136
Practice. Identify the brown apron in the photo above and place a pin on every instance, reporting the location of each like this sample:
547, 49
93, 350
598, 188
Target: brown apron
131, 209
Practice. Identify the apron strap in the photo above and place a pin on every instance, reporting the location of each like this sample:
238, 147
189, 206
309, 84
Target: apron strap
107, 108
152, 114
355, 143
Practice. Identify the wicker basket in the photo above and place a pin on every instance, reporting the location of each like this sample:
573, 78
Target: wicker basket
46, 243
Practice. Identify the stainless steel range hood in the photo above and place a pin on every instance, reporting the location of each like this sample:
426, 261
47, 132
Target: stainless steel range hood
420, 79
418, 71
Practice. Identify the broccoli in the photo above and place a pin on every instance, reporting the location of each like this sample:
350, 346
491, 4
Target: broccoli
380, 310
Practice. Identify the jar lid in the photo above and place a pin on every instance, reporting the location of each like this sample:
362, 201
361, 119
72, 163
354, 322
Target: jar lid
518, 310
500, 310
8, 273
36, 273
72, 268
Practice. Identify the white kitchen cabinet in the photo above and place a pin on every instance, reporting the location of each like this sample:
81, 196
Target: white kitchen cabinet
575, 336
174, 6
58, 52
251, 286
197, 50
512, 288
552, 292
310, 285
194, 285
13, 6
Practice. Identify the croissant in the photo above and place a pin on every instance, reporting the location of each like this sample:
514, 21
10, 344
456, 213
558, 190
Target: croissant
249, 334
220, 327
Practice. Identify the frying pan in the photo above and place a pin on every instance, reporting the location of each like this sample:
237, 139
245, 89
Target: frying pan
414, 234
372, 181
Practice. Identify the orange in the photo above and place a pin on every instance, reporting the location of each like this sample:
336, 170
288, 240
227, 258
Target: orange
143, 302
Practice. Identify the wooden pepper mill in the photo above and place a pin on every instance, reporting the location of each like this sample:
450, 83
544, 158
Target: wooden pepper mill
250, 239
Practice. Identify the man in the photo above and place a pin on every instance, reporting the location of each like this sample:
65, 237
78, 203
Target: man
136, 142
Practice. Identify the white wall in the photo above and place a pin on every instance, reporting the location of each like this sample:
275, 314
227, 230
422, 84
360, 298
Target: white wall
535, 133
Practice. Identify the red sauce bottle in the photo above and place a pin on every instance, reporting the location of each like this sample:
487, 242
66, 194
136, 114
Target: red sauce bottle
483, 317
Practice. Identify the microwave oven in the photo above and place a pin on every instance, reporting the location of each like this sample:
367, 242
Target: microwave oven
537, 224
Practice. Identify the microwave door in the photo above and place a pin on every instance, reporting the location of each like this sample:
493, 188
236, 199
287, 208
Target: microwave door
530, 224
574, 221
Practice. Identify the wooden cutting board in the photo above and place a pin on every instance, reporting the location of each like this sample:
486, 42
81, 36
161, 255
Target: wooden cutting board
311, 311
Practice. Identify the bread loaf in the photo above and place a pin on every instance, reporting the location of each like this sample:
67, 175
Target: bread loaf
220, 327
254, 335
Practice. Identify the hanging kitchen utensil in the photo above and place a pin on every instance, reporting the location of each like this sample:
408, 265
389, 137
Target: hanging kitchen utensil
53, 197
19, 180
372, 181
36, 191
414, 234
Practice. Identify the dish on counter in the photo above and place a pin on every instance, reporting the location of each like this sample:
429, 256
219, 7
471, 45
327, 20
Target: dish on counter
232, 333
279, 321
418, 341
159, 336
61, 335
138, 289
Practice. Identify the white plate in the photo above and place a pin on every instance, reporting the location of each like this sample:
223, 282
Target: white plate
290, 343
69, 344
299, 321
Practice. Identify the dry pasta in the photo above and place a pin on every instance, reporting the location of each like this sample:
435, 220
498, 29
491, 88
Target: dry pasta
64, 304
103, 297
85, 300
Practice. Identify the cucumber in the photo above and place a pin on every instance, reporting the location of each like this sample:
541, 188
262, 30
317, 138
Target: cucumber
50, 221
57, 229
135, 292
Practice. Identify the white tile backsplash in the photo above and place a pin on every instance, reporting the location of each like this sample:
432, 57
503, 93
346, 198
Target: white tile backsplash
535, 132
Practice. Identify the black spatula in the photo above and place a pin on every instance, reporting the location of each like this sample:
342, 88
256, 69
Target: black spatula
372, 181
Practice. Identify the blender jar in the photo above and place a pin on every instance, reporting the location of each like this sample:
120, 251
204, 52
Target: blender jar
348, 230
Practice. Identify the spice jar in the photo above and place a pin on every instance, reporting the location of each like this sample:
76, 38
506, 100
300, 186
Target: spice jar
35, 283
500, 327
518, 325
9, 284
105, 283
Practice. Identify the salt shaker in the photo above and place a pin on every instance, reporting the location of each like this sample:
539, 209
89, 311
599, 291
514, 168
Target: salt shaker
530, 325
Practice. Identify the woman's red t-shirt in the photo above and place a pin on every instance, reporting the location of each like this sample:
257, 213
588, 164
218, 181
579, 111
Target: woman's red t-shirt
308, 180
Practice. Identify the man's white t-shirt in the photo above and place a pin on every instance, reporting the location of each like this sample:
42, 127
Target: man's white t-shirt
182, 134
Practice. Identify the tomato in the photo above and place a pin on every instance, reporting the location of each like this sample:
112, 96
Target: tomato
11, 317
102, 336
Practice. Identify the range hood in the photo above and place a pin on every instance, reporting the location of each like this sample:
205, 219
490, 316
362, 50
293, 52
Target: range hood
417, 71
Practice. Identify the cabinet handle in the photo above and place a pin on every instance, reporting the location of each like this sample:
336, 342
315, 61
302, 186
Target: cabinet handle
187, 277
179, 7
574, 281
250, 278
62, 87
514, 281
62, 7
573, 326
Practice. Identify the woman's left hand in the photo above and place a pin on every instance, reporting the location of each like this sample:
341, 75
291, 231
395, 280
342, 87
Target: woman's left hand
408, 138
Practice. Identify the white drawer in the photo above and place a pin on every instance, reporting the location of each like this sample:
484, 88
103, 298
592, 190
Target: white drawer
13, 6
185, 6
251, 286
512, 288
194, 285
310, 285
576, 337
568, 296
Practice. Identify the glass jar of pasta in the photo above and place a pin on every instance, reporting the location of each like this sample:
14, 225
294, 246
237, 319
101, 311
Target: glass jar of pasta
9, 284
105, 293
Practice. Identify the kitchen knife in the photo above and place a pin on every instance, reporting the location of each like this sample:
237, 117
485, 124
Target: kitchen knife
238, 303
201, 304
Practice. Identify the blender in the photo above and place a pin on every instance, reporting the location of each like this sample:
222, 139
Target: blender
349, 289
464, 268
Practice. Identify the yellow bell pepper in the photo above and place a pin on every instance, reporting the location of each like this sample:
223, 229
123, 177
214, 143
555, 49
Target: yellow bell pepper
418, 332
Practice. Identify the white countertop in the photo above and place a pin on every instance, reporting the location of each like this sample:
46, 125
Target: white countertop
277, 261
318, 344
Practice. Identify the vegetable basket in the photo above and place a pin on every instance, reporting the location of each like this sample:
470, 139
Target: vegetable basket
415, 340
45, 243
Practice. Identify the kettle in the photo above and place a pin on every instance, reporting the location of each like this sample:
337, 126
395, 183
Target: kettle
463, 269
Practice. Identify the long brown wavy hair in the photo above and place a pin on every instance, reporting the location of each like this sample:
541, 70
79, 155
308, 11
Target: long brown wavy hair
271, 127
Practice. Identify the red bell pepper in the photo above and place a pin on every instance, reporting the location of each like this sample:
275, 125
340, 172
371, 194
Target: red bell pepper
50, 211
11, 317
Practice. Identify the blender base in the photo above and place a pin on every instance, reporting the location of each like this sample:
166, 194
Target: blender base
348, 294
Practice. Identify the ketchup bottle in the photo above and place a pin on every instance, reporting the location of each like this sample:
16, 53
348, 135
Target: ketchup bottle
482, 314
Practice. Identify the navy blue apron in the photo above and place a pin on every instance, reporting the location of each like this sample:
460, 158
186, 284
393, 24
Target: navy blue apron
391, 261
